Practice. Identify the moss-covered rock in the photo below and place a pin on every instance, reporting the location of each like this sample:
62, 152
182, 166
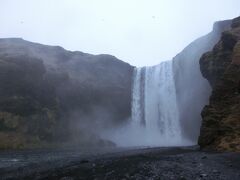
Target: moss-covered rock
221, 118
49, 94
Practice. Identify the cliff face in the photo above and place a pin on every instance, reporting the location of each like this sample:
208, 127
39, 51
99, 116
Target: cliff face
49, 94
192, 89
221, 118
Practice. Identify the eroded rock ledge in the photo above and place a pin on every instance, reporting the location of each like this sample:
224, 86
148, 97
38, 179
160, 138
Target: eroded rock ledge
221, 118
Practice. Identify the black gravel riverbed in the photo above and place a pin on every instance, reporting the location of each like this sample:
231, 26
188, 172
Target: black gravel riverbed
119, 163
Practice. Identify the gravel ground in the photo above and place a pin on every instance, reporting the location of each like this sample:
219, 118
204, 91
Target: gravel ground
121, 163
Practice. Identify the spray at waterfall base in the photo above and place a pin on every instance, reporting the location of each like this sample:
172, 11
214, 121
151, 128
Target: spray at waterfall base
155, 116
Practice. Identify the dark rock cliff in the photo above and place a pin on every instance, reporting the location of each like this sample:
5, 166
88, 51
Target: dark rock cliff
192, 89
49, 94
221, 118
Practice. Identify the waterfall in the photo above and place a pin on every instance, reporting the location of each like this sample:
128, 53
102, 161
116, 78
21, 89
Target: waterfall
154, 105
155, 119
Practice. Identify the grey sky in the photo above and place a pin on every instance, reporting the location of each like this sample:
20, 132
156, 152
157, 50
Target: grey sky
141, 32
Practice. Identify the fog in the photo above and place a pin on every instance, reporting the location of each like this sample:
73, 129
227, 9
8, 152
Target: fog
93, 94
167, 99
140, 32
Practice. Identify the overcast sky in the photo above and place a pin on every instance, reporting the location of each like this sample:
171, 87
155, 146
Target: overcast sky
141, 32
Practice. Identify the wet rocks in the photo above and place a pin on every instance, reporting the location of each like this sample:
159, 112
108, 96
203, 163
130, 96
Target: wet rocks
221, 118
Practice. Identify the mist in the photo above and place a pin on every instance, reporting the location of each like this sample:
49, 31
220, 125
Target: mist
168, 98
141, 33
119, 89
92, 95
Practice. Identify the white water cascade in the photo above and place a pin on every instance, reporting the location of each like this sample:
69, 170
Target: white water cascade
155, 117
154, 106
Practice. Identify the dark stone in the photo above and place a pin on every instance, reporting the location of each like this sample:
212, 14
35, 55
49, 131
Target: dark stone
221, 118
191, 88
204, 157
48, 93
84, 161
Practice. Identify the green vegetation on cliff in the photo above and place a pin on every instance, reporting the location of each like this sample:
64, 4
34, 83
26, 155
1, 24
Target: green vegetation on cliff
51, 96
28, 102
221, 118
